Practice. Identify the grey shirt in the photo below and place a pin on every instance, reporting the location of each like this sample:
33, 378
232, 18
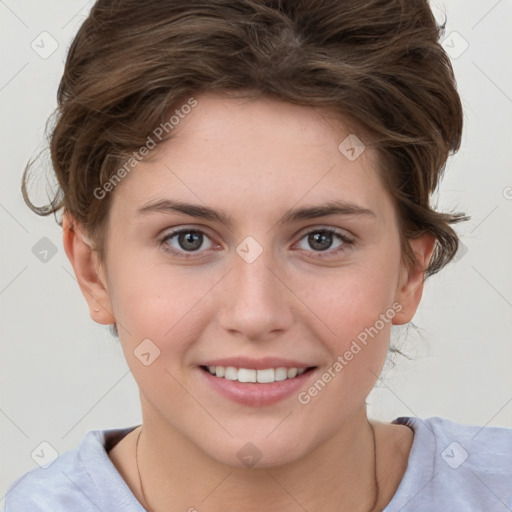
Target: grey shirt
451, 467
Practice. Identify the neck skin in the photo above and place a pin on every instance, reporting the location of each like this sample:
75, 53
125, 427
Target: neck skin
337, 476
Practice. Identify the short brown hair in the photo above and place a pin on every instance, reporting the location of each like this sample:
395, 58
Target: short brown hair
377, 63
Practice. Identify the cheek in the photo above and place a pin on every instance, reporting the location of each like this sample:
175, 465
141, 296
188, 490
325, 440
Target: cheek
162, 319
161, 301
167, 303
152, 298
349, 300
163, 304
358, 308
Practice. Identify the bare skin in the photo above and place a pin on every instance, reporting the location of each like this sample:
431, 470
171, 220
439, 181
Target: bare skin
393, 443
254, 161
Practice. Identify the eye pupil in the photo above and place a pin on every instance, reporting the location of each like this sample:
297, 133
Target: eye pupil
192, 241
187, 237
320, 238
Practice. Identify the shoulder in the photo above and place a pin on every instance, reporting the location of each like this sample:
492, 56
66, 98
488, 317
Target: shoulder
82, 480
465, 466
473, 446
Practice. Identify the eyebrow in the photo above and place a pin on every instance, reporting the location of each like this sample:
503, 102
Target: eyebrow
204, 212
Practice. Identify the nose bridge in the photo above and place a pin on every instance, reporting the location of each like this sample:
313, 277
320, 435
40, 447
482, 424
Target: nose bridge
256, 278
257, 302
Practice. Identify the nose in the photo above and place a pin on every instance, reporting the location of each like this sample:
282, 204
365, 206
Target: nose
258, 303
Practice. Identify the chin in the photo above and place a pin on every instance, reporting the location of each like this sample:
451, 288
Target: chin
261, 453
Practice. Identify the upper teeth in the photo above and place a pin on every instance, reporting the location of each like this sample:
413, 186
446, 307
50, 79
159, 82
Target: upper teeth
251, 375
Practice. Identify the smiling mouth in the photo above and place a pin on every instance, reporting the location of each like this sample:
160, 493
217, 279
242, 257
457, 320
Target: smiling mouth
264, 376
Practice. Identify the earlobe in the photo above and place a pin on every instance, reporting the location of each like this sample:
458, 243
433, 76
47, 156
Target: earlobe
410, 289
85, 263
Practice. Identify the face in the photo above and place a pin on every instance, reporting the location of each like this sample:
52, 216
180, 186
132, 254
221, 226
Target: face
242, 279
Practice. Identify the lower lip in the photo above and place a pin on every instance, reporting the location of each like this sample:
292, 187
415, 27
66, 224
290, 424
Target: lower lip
253, 393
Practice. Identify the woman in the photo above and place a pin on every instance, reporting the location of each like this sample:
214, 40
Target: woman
245, 189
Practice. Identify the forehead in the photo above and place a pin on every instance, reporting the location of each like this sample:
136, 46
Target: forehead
278, 123
258, 153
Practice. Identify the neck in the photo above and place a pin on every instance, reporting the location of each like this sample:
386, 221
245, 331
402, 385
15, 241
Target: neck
339, 474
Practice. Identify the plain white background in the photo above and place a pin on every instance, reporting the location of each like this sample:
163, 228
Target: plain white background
62, 375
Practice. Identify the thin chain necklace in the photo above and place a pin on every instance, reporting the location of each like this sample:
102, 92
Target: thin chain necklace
377, 490
146, 506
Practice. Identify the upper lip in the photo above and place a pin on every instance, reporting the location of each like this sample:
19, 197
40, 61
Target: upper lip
257, 364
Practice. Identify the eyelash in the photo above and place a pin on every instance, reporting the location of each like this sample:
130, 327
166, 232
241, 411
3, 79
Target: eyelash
347, 242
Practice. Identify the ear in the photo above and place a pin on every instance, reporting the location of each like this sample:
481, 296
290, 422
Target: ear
85, 262
411, 280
